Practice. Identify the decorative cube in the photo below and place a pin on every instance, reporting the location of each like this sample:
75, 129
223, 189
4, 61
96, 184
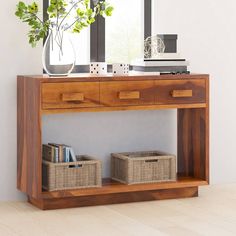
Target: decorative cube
98, 68
120, 69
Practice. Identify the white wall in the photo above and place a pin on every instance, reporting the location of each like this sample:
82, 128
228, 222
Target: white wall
99, 134
207, 37
16, 57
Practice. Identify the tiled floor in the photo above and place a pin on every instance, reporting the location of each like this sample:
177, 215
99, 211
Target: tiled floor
212, 213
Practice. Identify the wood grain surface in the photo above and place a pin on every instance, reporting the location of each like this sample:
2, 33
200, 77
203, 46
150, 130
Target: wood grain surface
115, 198
182, 93
164, 91
70, 95
112, 93
39, 95
110, 186
29, 158
193, 141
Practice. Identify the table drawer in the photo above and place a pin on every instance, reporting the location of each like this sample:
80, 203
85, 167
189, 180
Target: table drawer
180, 91
122, 93
70, 95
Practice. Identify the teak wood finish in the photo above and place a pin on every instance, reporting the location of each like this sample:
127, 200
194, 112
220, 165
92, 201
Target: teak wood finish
39, 95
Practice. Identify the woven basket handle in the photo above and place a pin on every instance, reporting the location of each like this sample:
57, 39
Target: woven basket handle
75, 166
154, 160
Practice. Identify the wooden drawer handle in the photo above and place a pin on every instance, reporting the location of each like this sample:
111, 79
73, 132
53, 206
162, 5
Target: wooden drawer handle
182, 93
72, 97
129, 95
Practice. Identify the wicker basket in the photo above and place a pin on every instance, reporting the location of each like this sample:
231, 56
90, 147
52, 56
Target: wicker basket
143, 167
85, 173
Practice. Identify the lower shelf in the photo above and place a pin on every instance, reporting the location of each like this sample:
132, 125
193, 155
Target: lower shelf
113, 187
114, 198
113, 192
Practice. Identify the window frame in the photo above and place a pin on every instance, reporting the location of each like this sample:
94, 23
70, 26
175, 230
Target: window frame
97, 35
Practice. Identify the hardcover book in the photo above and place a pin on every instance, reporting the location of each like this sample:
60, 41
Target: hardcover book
50, 153
60, 151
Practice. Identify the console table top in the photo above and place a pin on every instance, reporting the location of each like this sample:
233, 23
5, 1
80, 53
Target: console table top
133, 76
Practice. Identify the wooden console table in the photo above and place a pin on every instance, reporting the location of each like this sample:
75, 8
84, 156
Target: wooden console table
39, 95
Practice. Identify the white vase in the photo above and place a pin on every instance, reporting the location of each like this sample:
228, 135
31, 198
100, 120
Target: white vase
58, 53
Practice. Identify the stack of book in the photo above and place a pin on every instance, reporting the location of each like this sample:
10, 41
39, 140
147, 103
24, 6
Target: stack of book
56, 153
163, 62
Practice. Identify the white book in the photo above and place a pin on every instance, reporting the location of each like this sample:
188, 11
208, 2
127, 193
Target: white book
66, 154
72, 154
159, 63
166, 56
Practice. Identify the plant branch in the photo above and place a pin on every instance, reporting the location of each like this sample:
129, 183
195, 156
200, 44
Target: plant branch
33, 14
69, 12
57, 14
57, 32
71, 25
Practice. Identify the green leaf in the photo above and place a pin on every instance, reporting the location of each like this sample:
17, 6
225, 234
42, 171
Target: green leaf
22, 6
109, 10
58, 12
33, 8
89, 12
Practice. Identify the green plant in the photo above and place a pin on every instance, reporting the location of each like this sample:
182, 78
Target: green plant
73, 15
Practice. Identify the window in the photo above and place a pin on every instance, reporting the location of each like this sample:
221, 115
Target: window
82, 46
116, 39
125, 31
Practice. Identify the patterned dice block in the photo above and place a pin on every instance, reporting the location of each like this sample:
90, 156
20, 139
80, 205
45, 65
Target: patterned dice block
120, 69
98, 68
